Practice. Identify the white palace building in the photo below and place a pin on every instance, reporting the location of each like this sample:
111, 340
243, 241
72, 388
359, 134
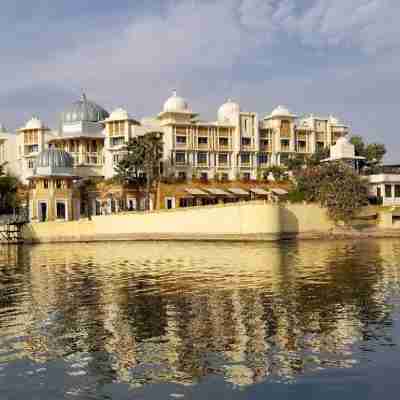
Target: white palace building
238, 145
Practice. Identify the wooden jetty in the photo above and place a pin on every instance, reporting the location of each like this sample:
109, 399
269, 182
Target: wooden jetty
11, 229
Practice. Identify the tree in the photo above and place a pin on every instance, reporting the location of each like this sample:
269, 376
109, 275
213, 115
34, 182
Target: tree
359, 145
2, 168
8, 193
315, 158
335, 186
141, 162
296, 162
373, 152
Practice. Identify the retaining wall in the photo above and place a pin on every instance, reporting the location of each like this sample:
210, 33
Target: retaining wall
239, 221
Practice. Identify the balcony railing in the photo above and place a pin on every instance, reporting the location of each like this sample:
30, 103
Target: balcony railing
266, 148
87, 159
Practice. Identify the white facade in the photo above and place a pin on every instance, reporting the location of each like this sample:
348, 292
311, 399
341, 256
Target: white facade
239, 144
385, 187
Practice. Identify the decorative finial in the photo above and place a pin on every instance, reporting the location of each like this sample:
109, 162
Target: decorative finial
83, 96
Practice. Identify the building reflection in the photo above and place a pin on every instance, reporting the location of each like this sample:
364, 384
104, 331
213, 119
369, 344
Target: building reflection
176, 312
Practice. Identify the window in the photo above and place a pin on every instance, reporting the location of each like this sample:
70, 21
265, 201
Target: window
245, 158
397, 191
224, 176
116, 141
246, 176
181, 140
59, 184
202, 157
182, 176
223, 158
264, 143
180, 157
320, 145
203, 140
245, 124
388, 190
223, 141
301, 144
31, 164
61, 211
204, 176
263, 158
117, 158
46, 184
246, 141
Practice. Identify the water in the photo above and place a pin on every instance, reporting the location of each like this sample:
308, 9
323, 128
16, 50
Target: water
200, 320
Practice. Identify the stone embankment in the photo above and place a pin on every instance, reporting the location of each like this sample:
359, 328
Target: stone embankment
250, 221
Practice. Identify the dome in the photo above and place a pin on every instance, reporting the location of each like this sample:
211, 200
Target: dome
119, 114
228, 111
34, 123
54, 162
176, 104
281, 111
84, 110
333, 120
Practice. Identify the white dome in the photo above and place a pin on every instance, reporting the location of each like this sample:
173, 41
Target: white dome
176, 104
34, 123
333, 120
281, 111
228, 112
118, 114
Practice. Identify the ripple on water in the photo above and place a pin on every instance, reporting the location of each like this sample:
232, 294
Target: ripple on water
142, 313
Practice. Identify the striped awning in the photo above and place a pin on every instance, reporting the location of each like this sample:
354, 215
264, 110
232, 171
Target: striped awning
196, 192
259, 191
217, 192
238, 191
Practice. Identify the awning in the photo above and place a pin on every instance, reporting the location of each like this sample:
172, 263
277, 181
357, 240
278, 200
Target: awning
279, 192
239, 191
196, 192
259, 191
217, 192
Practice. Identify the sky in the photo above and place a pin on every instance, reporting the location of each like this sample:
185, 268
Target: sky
339, 57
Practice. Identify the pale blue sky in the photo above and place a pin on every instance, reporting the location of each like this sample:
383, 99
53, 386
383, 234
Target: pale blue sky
321, 56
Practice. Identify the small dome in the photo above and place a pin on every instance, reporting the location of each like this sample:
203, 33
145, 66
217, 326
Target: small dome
34, 123
54, 162
119, 114
84, 110
176, 104
228, 112
333, 120
281, 111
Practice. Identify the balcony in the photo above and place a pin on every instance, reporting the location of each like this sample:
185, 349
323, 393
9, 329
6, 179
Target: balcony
31, 149
180, 145
87, 159
267, 148
285, 149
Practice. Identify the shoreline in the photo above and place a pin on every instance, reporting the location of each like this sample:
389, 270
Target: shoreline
244, 238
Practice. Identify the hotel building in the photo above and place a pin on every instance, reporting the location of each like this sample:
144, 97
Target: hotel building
238, 145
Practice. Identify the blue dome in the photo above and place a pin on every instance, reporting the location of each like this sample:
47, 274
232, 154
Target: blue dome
54, 158
54, 162
84, 110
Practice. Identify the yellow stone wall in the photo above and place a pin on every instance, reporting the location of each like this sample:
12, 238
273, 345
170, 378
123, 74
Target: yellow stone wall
257, 219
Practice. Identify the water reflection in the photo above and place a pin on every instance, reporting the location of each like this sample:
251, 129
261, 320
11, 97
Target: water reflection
141, 313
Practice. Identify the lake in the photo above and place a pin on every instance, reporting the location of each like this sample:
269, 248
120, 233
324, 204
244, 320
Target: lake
185, 320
